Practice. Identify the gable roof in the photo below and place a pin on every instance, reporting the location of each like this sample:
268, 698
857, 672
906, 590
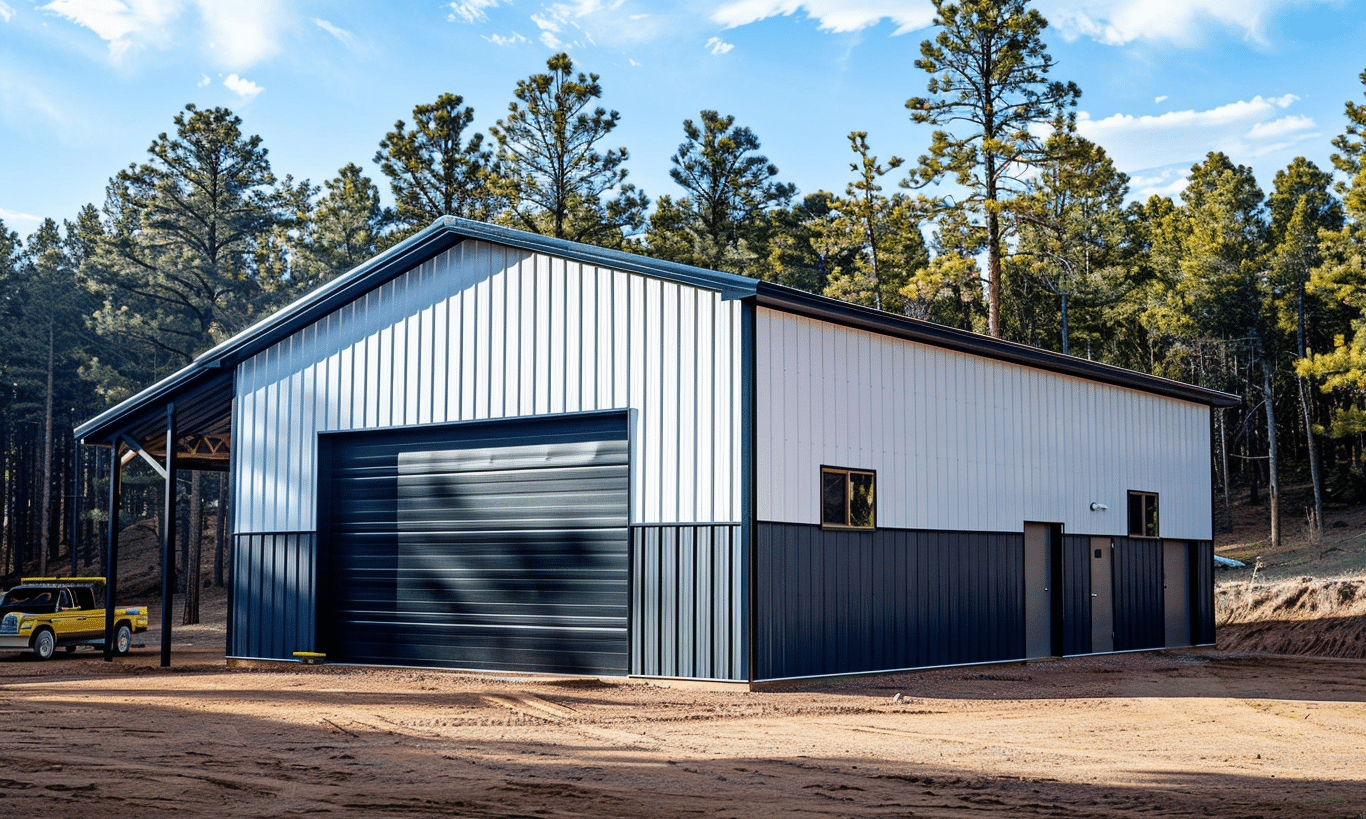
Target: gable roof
206, 382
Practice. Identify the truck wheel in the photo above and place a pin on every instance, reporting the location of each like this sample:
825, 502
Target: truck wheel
44, 643
123, 639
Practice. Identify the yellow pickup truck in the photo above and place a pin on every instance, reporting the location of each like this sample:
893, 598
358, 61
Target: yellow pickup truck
42, 613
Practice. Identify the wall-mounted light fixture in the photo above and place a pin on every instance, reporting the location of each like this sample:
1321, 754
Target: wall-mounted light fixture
1097, 506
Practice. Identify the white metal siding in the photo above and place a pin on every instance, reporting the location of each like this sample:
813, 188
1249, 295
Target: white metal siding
485, 331
962, 442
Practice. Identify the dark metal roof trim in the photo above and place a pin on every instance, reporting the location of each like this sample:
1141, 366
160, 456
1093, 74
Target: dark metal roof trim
790, 300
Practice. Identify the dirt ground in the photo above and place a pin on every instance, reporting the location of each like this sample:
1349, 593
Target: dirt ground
1190, 733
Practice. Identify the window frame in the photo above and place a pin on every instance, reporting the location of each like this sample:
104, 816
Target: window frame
1143, 495
847, 472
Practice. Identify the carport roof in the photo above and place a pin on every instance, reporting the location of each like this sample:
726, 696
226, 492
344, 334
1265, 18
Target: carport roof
202, 391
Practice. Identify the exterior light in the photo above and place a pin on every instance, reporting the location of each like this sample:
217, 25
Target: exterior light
1097, 506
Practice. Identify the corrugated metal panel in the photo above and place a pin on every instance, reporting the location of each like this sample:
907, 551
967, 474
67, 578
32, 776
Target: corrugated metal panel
962, 442
485, 331
1076, 594
685, 592
274, 589
496, 545
838, 602
1139, 610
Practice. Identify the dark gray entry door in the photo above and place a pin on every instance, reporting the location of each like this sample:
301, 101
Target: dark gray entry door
493, 545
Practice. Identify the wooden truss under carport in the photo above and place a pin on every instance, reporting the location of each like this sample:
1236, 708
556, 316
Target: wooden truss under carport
190, 429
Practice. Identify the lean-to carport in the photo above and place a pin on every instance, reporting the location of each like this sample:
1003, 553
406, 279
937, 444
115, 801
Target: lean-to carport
184, 421
183, 425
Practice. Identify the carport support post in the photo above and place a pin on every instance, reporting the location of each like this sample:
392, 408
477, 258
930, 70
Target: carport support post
168, 541
111, 556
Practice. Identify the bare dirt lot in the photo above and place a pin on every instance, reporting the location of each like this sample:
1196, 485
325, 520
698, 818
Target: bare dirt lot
1190, 733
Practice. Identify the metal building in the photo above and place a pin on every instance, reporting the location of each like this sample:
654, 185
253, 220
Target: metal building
486, 449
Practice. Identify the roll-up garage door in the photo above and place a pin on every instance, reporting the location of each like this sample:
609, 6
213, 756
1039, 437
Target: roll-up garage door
492, 545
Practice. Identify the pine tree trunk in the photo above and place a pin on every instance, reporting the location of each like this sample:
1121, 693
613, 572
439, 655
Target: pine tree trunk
1306, 407
45, 514
1272, 479
196, 538
221, 533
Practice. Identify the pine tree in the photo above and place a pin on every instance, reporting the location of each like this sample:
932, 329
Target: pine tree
989, 82
1301, 207
1070, 225
729, 186
46, 349
176, 267
433, 169
549, 174
882, 232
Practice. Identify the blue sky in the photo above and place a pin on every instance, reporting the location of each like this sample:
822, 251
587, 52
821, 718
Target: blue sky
85, 85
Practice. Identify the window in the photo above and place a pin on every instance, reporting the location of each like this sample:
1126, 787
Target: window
1143, 514
847, 498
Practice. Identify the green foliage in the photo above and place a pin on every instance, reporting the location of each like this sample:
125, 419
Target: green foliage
1071, 230
549, 173
1351, 145
878, 237
1216, 286
989, 83
948, 290
340, 231
433, 169
176, 268
729, 187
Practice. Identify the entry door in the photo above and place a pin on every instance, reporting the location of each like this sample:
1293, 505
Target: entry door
1176, 592
1102, 596
497, 545
1043, 590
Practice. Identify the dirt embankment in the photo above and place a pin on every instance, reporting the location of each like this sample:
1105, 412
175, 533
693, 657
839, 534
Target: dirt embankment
1319, 617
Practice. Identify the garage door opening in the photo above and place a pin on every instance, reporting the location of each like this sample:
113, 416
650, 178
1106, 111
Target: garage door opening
492, 546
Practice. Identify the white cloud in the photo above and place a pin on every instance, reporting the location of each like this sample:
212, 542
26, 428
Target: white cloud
241, 33
1184, 22
831, 15
1113, 22
1160, 182
471, 11
6, 11
718, 46
545, 22
1243, 129
1162, 98
203, 81
506, 42
244, 88
1280, 128
633, 62
567, 25
13, 217
343, 36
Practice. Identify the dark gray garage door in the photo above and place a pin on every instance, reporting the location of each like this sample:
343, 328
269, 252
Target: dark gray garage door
498, 545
